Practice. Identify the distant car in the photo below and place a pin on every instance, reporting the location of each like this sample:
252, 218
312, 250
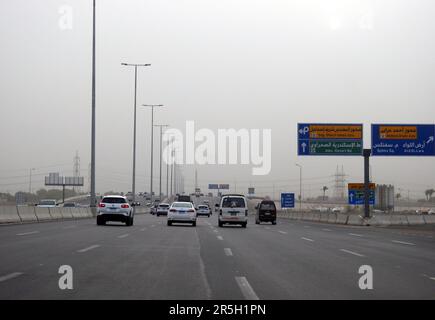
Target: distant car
265, 212
422, 211
203, 210
182, 212
114, 208
47, 203
162, 209
233, 209
153, 209
431, 211
337, 209
69, 205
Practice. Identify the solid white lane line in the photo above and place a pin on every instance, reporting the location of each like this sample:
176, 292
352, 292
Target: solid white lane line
10, 276
403, 242
220, 238
246, 289
88, 248
228, 252
326, 229
27, 233
307, 239
351, 252
123, 236
356, 234
283, 232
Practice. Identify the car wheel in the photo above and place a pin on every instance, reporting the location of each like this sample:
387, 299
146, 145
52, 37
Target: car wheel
194, 224
220, 224
244, 225
100, 221
257, 222
273, 222
169, 223
157, 215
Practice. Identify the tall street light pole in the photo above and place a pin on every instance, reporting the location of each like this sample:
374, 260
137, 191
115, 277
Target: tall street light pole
93, 198
152, 145
30, 180
300, 186
161, 126
133, 187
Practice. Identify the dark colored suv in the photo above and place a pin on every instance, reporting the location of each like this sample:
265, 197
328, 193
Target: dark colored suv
266, 212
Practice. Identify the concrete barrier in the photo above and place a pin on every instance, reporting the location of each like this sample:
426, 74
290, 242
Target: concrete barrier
27, 214
56, 213
332, 218
316, 216
86, 212
324, 217
43, 214
380, 220
342, 218
399, 220
415, 219
355, 220
9, 214
66, 213
429, 219
76, 213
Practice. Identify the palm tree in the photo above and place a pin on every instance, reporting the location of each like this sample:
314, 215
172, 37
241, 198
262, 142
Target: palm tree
325, 188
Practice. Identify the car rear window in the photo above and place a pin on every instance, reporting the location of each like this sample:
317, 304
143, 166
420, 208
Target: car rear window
113, 200
267, 206
164, 206
232, 202
202, 207
182, 205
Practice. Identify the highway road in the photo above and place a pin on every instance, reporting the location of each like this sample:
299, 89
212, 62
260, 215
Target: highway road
290, 260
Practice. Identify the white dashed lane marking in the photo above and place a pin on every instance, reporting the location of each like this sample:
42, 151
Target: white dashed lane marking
403, 242
88, 248
228, 252
246, 289
27, 233
353, 253
307, 239
10, 276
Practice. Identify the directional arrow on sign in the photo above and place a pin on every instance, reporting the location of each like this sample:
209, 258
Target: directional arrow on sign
304, 145
431, 138
351, 197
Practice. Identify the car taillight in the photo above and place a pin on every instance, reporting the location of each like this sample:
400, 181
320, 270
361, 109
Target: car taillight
125, 206
190, 210
246, 212
101, 205
173, 210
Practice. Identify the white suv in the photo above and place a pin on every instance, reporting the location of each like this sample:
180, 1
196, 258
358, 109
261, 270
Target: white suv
233, 209
114, 208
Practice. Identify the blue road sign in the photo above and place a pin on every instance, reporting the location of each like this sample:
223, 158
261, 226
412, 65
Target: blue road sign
213, 186
316, 139
356, 197
403, 140
287, 200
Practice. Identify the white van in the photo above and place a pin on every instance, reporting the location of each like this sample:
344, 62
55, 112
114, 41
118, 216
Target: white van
233, 209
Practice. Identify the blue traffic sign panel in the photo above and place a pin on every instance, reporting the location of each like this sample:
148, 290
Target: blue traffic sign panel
403, 140
356, 197
287, 200
330, 139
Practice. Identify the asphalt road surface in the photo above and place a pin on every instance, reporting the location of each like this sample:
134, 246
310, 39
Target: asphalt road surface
290, 260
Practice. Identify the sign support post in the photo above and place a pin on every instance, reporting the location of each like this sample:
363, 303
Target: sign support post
367, 153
